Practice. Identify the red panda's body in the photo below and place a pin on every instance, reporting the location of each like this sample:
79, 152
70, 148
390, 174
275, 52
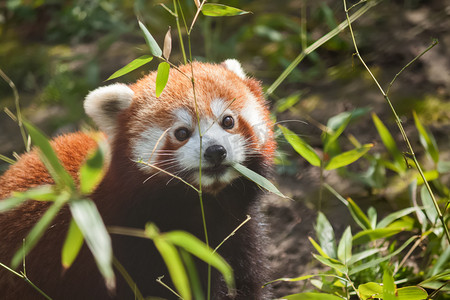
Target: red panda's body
235, 127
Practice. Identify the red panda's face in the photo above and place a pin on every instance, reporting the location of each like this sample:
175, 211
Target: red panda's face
224, 123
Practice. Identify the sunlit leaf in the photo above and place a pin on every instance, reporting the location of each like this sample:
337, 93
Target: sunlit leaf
427, 201
258, 179
302, 147
333, 263
411, 293
305, 277
311, 296
72, 245
317, 247
192, 274
194, 246
288, 102
344, 252
92, 171
153, 45
356, 257
39, 229
220, 10
137, 63
388, 286
427, 140
49, 158
162, 77
325, 235
358, 215
377, 261
347, 157
368, 235
172, 260
394, 216
90, 223
389, 142
41, 193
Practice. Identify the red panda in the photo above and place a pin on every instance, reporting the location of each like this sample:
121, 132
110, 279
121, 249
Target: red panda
232, 115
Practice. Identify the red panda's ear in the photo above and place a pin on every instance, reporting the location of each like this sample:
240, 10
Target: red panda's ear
105, 103
235, 66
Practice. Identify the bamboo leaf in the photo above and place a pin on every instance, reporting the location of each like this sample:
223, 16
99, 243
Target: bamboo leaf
167, 49
302, 147
358, 215
333, 263
394, 216
427, 140
72, 245
155, 50
325, 235
172, 260
411, 293
194, 246
220, 10
389, 142
137, 63
347, 157
377, 261
388, 286
428, 205
92, 171
370, 290
90, 223
38, 230
49, 158
258, 179
344, 252
311, 296
162, 77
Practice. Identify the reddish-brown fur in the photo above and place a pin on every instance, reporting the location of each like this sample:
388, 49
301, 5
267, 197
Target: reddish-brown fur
125, 198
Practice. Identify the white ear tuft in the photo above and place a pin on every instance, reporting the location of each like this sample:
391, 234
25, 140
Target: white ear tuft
105, 103
235, 66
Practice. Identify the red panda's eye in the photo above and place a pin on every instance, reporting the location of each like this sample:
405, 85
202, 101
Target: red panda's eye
228, 122
182, 134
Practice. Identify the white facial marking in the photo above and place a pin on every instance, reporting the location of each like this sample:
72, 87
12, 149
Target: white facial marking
219, 108
252, 113
148, 147
183, 116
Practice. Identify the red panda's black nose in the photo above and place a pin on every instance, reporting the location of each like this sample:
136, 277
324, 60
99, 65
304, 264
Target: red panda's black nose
215, 154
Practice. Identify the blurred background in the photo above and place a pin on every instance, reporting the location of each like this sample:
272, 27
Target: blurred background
55, 52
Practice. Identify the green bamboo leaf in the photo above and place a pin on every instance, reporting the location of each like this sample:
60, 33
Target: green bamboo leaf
389, 142
362, 255
366, 236
220, 10
154, 48
258, 179
162, 77
336, 125
92, 171
428, 205
377, 261
388, 286
344, 252
192, 274
306, 277
372, 215
411, 293
443, 166
72, 245
427, 140
317, 247
194, 246
49, 158
311, 296
394, 216
358, 215
90, 223
302, 147
172, 260
370, 290
137, 63
332, 263
325, 235
347, 157
41, 193
38, 230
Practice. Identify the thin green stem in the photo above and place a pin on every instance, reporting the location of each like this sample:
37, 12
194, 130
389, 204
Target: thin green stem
180, 36
435, 42
18, 112
399, 124
317, 44
119, 267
